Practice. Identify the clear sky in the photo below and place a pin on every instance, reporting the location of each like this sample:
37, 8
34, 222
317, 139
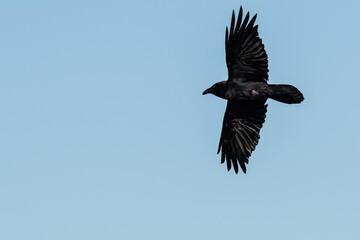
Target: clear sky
105, 134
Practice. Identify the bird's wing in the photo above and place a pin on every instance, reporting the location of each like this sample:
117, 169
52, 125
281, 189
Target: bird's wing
246, 58
240, 133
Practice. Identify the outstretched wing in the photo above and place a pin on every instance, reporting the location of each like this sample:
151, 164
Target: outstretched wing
240, 133
246, 58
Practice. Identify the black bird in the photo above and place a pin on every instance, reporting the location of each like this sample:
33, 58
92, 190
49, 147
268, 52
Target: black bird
246, 91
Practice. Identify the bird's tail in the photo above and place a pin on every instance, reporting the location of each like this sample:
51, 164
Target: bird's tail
286, 93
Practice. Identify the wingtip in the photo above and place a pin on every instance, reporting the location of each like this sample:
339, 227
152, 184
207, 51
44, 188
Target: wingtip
232, 24
252, 21
243, 167
228, 164
240, 10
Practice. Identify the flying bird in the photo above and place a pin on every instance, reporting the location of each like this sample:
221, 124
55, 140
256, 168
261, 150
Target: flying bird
246, 91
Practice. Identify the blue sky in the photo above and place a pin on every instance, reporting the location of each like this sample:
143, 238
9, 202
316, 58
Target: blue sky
105, 134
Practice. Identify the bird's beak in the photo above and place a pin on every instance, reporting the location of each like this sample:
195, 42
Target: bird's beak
207, 91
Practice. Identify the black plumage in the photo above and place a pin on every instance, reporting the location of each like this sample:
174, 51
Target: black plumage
246, 91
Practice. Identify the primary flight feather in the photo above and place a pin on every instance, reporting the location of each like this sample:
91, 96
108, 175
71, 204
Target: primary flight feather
246, 91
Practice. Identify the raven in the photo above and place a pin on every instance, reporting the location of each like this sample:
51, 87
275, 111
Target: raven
246, 91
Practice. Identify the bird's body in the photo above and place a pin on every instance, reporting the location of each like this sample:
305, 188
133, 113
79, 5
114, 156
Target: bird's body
246, 91
256, 91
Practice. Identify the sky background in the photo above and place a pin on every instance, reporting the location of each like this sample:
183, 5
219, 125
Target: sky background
105, 134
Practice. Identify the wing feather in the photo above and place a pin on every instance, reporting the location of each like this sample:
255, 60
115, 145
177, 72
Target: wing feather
232, 23
240, 133
238, 22
246, 57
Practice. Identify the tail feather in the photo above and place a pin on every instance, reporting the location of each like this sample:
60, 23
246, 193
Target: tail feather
286, 94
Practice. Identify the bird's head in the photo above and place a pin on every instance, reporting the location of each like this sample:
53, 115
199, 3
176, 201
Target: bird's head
218, 89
